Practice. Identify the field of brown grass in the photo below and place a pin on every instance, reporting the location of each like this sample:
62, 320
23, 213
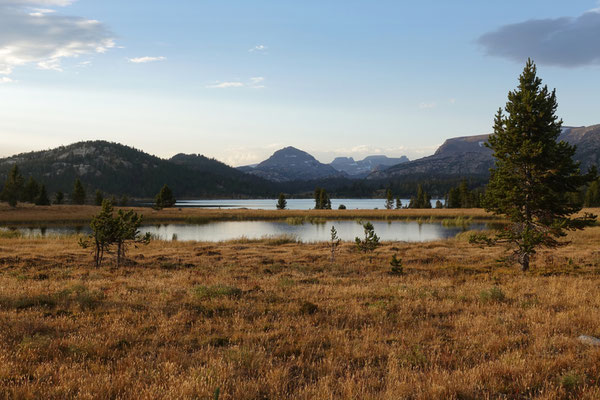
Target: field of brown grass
263, 320
26, 213
29, 214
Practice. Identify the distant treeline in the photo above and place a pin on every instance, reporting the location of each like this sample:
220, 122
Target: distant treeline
34, 186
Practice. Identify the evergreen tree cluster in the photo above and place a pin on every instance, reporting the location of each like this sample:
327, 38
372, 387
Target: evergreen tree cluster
110, 230
322, 200
423, 199
15, 189
461, 197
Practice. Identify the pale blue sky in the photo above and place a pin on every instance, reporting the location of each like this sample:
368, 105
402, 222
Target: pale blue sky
236, 80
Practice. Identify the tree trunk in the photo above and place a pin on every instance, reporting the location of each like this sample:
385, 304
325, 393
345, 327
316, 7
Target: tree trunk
524, 261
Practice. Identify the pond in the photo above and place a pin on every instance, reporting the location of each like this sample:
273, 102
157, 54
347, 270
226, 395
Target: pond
410, 231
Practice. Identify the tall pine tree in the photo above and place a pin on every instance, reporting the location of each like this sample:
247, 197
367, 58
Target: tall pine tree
13, 187
78, 196
533, 173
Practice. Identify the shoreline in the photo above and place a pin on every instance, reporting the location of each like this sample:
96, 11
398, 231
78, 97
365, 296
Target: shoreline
71, 214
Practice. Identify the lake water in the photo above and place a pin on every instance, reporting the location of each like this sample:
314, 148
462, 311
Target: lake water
292, 204
308, 232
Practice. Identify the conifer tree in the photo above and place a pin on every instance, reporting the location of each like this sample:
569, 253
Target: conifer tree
592, 195
322, 200
533, 173
13, 187
79, 195
59, 197
42, 197
389, 200
99, 198
31, 190
165, 198
398, 203
281, 202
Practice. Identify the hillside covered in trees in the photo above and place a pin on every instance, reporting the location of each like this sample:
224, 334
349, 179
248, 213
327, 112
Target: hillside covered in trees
121, 170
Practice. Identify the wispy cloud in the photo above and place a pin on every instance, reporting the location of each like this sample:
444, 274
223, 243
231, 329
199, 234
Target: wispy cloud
6, 79
226, 85
43, 3
260, 48
40, 12
427, 105
253, 83
143, 60
564, 42
40, 37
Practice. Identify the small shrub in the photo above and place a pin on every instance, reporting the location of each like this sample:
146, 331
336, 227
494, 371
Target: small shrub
495, 295
397, 267
370, 241
215, 291
217, 341
308, 308
341, 207
571, 381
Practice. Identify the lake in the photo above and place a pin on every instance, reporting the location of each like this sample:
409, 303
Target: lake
410, 231
292, 204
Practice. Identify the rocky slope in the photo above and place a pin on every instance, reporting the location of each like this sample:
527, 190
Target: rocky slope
467, 156
362, 168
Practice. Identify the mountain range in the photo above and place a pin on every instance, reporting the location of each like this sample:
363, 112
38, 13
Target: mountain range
292, 164
122, 170
468, 156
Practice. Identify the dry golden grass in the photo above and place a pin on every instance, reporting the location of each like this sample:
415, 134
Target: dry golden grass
264, 321
26, 213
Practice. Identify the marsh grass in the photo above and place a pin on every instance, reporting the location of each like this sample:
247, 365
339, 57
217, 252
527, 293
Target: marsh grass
260, 320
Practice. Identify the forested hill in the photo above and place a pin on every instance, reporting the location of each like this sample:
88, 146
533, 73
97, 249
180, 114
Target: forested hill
118, 169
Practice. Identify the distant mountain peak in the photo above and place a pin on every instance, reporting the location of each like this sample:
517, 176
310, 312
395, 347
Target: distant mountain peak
362, 168
289, 164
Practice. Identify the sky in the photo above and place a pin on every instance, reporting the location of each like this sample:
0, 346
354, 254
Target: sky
236, 80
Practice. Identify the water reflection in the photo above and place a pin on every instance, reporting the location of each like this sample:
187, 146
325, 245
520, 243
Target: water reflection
411, 231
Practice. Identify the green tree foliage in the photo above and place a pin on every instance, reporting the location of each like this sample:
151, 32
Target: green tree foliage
389, 199
281, 202
78, 196
334, 243
109, 230
98, 198
592, 194
164, 198
397, 267
31, 190
423, 199
13, 187
42, 197
370, 242
533, 173
398, 203
462, 197
438, 204
322, 200
127, 224
59, 197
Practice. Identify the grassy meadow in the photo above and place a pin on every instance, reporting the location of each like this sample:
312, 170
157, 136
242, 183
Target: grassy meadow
268, 319
28, 214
